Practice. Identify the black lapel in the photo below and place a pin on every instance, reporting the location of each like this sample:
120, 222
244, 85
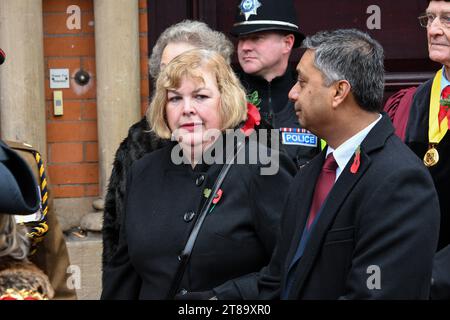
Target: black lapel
375, 139
417, 126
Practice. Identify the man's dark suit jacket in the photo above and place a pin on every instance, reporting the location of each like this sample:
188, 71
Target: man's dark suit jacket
380, 223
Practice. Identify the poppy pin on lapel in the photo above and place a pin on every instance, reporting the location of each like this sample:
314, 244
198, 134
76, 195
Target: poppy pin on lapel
356, 161
216, 198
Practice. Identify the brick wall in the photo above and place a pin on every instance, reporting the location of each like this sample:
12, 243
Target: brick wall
72, 138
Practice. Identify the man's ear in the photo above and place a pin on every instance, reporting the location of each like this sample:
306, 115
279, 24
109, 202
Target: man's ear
341, 91
289, 40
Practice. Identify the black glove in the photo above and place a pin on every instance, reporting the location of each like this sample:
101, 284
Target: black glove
199, 295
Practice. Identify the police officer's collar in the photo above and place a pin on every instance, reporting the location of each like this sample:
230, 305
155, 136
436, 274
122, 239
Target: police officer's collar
290, 74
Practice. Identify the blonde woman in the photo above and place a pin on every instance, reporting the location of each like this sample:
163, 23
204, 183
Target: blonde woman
196, 94
176, 39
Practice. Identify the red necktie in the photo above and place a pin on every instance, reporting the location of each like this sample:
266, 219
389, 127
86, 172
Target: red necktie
444, 111
323, 186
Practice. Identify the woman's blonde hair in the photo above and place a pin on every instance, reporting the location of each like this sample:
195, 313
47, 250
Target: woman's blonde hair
13, 239
233, 108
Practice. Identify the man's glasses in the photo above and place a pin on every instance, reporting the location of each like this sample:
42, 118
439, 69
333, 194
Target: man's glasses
427, 19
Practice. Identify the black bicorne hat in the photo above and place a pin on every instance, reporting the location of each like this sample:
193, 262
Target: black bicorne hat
19, 193
265, 15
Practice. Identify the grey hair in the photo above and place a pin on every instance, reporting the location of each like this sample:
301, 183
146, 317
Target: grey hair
352, 55
13, 239
195, 33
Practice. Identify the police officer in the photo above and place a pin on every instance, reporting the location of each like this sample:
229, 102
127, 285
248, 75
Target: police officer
267, 32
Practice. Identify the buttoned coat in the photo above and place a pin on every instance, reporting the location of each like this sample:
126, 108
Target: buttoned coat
163, 201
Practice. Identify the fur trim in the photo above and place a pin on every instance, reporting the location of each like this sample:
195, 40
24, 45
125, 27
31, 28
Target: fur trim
22, 277
140, 140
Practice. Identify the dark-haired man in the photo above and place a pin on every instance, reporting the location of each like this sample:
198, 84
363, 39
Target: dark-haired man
361, 219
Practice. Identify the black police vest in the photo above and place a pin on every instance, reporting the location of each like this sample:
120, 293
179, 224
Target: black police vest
278, 111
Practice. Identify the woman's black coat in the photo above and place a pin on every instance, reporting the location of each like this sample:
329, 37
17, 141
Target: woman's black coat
163, 201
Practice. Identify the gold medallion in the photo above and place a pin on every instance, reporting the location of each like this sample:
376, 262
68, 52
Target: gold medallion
431, 157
